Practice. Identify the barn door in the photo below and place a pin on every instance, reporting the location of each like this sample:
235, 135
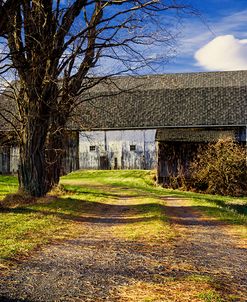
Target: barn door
5, 161
104, 163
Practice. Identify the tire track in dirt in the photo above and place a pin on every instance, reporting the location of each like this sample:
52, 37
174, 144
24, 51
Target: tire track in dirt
96, 265
209, 246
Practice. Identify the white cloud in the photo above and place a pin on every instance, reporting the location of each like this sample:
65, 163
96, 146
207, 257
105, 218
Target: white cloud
223, 53
197, 32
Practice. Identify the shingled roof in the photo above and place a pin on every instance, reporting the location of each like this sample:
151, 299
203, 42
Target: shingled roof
171, 100
163, 101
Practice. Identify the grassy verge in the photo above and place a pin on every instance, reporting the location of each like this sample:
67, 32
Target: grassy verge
143, 217
93, 195
87, 198
128, 198
230, 209
8, 185
24, 227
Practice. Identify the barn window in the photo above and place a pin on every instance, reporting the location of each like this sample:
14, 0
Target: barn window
132, 147
92, 148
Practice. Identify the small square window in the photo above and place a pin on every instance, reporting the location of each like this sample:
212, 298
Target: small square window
92, 148
132, 147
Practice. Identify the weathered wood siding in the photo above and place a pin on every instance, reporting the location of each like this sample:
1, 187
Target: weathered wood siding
9, 159
174, 159
119, 149
5, 160
9, 155
178, 147
70, 161
14, 159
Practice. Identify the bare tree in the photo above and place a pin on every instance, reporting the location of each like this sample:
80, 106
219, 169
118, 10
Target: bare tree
53, 48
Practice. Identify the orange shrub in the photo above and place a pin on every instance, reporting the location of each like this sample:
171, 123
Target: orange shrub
220, 168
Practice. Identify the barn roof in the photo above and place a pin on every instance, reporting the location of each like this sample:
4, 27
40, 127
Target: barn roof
171, 100
162, 101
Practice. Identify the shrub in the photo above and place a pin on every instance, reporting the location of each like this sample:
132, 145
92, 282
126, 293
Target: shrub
220, 168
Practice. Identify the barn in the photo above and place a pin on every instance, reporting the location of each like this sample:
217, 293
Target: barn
161, 120
144, 122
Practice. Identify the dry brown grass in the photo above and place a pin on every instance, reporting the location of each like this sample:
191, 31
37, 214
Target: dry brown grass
167, 291
17, 199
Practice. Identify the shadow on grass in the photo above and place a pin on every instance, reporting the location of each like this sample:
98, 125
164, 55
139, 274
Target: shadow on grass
105, 190
102, 194
158, 192
225, 204
93, 212
101, 213
238, 208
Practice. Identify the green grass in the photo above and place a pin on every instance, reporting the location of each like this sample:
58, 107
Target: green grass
130, 179
210, 296
146, 215
230, 209
24, 227
94, 194
8, 185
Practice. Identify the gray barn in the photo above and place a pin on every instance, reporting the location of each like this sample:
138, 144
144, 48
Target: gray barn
157, 121
179, 112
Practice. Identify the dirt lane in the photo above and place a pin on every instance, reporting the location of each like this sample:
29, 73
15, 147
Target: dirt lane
210, 246
99, 266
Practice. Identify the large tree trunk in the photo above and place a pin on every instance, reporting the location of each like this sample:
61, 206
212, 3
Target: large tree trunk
52, 55
39, 168
40, 163
54, 155
32, 169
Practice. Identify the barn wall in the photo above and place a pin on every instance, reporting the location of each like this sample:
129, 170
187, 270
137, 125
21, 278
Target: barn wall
4, 160
9, 160
70, 161
174, 159
14, 159
178, 147
10, 155
111, 149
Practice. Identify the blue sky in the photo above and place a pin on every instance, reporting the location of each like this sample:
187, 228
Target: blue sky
215, 41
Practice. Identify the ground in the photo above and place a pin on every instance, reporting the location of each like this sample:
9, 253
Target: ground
129, 241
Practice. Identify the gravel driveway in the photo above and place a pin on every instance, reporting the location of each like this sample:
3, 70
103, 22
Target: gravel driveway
98, 266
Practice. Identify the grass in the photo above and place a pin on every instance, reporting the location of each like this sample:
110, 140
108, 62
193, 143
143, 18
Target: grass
144, 217
8, 185
210, 296
146, 221
232, 210
170, 291
24, 227
94, 196
229, 210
